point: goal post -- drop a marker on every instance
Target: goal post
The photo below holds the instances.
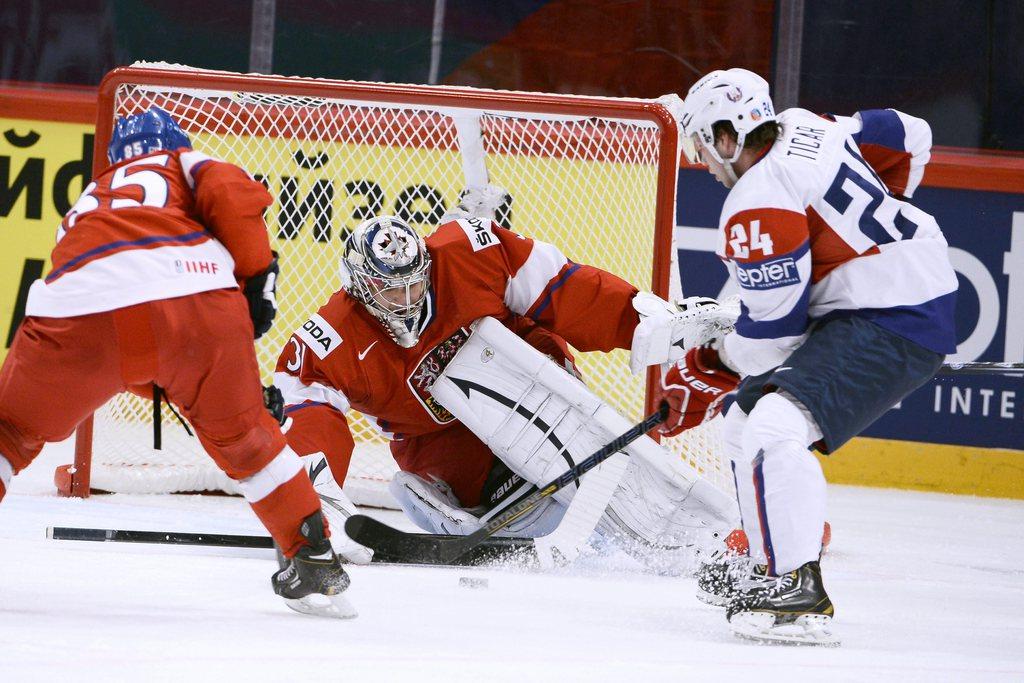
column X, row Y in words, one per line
column 595, row 176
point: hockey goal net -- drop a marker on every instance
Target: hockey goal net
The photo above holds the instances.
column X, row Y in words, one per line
column 594, row 176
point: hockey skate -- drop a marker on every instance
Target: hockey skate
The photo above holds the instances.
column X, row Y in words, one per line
column 313, row 581
column 728, row 577
column 794, row 610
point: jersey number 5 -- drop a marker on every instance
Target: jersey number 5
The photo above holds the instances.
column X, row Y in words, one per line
column 154, row 190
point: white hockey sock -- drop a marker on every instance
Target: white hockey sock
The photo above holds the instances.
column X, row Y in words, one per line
column 746, row 496
column 6, row 474
column 743, row 474
column 788, row 484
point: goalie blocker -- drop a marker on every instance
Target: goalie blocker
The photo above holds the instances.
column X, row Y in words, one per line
column 540, row 421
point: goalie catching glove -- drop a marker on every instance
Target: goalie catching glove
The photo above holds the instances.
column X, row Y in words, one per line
column 668, row 330
column 259, row 291
column 694, row 388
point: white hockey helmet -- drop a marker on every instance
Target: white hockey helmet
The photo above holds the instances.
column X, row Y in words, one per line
column 735, row 95
column 386, row 266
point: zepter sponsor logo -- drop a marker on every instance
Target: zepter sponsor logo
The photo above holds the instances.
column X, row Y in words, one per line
column 768, row 274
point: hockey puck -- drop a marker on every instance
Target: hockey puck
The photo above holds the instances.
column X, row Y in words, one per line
column 469, row 582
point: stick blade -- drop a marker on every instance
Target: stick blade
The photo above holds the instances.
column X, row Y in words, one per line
column 387, row 542
column 392, row 545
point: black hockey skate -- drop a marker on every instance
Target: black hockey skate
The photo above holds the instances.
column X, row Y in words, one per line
column 795, row 609
column 727, row 578
column 313, row 581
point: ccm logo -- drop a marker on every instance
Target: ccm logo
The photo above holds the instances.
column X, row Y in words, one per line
column 768, row 275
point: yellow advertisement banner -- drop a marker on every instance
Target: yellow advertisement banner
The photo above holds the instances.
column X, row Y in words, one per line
column 43, row 168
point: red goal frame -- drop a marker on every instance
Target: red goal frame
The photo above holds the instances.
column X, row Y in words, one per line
column 73, row 480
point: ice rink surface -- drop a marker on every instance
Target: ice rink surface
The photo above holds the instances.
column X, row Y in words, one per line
column 927, row 587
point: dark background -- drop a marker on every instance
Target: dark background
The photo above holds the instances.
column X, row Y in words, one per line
column 956, row 64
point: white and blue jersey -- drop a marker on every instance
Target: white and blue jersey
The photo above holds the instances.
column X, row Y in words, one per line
column 818, row 228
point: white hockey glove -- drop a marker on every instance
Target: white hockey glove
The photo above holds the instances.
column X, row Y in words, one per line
column 667, row 331
column 478, row 201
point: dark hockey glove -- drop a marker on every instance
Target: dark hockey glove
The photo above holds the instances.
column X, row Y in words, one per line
column 260, row 293
column 274, row 402
column 694, row 388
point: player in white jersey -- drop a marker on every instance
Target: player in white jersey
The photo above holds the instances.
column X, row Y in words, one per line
column 847, row 306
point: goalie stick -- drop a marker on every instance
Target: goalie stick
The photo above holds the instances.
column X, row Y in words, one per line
column 980, row 368
column 493, row 550
column 443, row 550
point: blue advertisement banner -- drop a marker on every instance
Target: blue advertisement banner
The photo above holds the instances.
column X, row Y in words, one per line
column 985, row 231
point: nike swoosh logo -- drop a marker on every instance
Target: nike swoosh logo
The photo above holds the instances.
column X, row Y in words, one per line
column 783, row 368
column 366, row 350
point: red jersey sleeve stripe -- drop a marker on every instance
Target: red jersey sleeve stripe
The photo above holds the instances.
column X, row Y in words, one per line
column 545, row 298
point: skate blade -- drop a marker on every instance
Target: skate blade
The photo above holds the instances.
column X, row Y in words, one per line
column 328, row 606
column 808, row 629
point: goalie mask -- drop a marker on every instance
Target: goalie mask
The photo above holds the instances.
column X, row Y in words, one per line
column 386, row 266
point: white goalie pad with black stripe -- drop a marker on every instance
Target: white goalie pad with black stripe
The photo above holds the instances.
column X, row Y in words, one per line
column 535, row 416
column 540, row 421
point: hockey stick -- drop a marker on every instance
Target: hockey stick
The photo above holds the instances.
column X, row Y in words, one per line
column 980, row 368
column 379, row 536
column 494, row 550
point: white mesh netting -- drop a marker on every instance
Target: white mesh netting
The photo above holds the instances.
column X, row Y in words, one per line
column 584, row 183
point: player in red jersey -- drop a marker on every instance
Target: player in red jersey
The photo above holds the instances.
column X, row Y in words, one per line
column 405, row 308
column 163, row 274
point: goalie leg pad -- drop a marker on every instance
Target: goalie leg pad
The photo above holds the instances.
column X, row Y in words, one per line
column 336, row 507
column 541, row 421
column 657, row 519
column 532, row 414
column 434, row 508
column 431, row 505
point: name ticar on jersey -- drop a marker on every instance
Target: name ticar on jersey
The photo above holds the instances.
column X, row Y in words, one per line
column 768, row 274
column 319, row 336
column 805, row 142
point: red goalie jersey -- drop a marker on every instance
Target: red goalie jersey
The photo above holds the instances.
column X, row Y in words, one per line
column 341, row 358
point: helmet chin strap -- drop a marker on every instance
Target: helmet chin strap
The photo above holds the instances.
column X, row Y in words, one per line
column 730, row 174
